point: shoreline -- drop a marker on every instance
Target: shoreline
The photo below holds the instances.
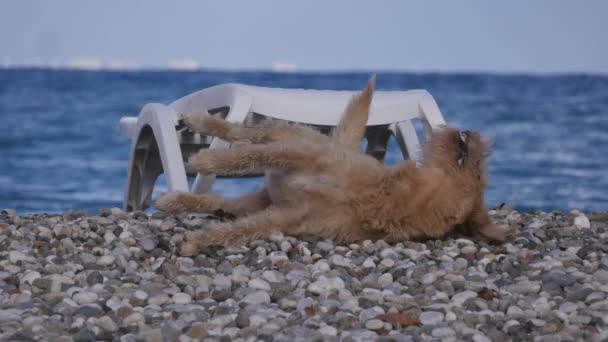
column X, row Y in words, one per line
column 116, row 276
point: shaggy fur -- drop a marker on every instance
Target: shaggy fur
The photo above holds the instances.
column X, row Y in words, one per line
column 325, row 186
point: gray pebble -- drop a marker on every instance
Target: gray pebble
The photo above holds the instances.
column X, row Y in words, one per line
column 431, row 317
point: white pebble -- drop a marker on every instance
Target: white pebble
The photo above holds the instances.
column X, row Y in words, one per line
column 582, row 222
column 468, row 249
column 368, row 263
column 324, row 285
column 108, row 236
column 106, row 260
column 158, row 299
column 481, row 338
column 321, row 266
column 374, row 324
column 257, row 297
column 388, row 263
column 328, row 330
column 285, row 245
column 29, row 277
column 181, row 298
column 133, row 318
column 221, row 280
column 429, row 278
column 16, row 256
column 85, row 297
column 461, row 297
column 139, row 294
column 510, row 324
column 259, row 284
column 385, row 280
column 514, row 311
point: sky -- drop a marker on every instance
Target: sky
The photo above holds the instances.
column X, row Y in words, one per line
column 543, row 36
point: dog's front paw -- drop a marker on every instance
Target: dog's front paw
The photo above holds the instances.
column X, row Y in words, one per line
column 498, row 233
column 193, row 243
column 170, row 203
column 189, row 249
column 198, row 122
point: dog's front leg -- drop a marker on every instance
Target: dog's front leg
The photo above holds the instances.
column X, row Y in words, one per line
column 264, row 133
column 252, row 159
column 243, row 230
column 479, row 225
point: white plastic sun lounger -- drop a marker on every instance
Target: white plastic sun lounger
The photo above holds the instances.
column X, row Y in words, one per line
column 161, row 143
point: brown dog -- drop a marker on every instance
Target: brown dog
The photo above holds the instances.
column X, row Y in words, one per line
column 325, row 186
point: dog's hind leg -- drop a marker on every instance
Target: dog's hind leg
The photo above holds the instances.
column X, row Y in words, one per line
column 253, row 159
column 263, row 133
column 180, row 202
column 256, row 226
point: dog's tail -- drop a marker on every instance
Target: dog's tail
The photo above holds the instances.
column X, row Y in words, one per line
column 351, row 129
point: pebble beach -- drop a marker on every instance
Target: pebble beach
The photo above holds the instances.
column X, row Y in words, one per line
column 118, row 276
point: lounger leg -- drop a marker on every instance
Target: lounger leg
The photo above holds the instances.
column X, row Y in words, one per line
column 430, row 114
column 156, row 124
column 406, row 137
column 377, row 140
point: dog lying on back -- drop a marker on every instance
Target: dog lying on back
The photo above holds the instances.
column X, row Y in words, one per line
column 324, row 185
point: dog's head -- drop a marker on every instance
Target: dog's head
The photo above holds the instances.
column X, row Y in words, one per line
column 458, row 153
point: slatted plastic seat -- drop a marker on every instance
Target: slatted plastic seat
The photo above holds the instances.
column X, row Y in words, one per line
column 160, row 143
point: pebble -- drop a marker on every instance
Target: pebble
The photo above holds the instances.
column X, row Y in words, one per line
column 328, row 330
column 119, row 276
column 443, row 332
column 601, row 276
column 257, row 297
column 431, row 317
column 30, row 277
column 374, row 324
column 158, row 299
column 133, row 319
column 85, row 297
column 582, row 222
column 182, row 298
column 461, row 297
column 325, row 284
column 368, row 263
column 107, row 324
column 385, row 280
column 147, row 244
column 106, row 260
column 429, row 278
column 259, row 284
column 511, row 326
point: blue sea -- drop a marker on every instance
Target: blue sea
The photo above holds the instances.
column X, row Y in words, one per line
column 60, row 147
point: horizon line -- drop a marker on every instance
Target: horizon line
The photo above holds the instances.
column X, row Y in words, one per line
column 306, row 71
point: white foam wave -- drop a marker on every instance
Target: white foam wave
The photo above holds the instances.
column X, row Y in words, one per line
column 284, row 66
column 185, row 64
